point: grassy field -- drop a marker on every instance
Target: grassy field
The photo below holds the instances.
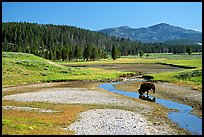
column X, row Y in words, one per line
column 187, row 77
column 22, row 68
column 191, row 76
column 169, row 56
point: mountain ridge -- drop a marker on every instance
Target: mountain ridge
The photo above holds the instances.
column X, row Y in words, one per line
column 161, row 32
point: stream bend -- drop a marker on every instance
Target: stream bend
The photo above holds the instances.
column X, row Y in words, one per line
column 183, row 117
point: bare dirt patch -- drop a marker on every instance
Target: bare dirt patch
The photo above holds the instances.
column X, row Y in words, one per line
column 135, row 67
column 38, row 86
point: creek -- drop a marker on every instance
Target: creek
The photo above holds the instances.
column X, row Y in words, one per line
column 183, row 117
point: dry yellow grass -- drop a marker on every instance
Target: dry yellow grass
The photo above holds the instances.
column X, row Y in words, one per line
column 26, row 122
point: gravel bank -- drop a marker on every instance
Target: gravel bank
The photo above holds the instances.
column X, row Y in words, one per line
column 180, row 91
column 98, row 121
column 73, row 96
column 115, row 122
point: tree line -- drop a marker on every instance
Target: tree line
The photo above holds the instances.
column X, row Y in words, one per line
column 62, row 42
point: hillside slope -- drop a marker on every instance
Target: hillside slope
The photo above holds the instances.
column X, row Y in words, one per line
column 23, row 68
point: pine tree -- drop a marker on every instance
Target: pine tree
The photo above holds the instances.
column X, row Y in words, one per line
column 99, row 53
column 58, row 54
column 141, row 53
column 77, row 52
column 50, row 55
column 71, row 53
column 189, row 50
column 87, row 52
column 114, row 52
column 53, row 55
column 64, row 53
column 94, row 53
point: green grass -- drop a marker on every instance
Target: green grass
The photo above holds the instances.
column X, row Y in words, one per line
column 169, row 56
column 23, row 68
column 182, row 77
column 21, row 126
column 194, row 62
column 121, row 60
column 197, row 63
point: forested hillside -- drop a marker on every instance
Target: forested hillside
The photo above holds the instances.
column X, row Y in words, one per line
column 57, row 42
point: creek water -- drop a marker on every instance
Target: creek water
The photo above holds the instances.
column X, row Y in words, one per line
column 183, row 117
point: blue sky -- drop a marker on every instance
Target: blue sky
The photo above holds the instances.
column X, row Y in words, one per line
column 100, row 15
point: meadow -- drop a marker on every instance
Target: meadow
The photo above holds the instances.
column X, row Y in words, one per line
column 23, row 68
column 191, row 75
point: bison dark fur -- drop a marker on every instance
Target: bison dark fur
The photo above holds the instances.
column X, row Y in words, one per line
column 145, row 87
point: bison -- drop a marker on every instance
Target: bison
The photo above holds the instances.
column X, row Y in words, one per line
column 145, row 87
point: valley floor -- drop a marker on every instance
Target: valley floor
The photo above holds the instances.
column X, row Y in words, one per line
column 113, row 112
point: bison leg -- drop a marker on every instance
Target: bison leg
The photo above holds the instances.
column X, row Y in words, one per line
column 153, row 90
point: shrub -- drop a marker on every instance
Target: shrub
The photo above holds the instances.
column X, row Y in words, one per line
column 186, row 75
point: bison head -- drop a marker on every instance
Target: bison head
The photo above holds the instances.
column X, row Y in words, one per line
column 140, row 91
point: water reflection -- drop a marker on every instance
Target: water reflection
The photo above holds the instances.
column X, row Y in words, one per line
column 147, row 98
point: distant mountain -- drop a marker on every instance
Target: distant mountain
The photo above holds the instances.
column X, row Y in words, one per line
column 157, row 33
